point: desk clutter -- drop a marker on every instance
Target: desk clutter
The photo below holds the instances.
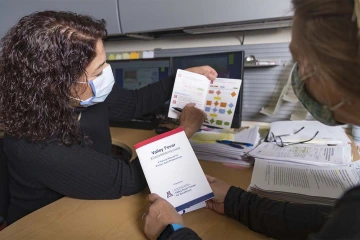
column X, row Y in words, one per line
column 230, row 148
column 300, row 161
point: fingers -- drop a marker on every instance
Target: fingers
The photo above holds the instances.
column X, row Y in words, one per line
column 204, row 113
column 210, row 179
column 209, row 72
column 209, row 204
column 153, row 197
column 148, row 208
column 190, row 105
column 193, row 105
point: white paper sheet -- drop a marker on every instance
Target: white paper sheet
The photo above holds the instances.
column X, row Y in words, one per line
column 328, row 182
column 312, row 154
column 188, row 88
column 326, row 135
column 221, row 102
column 218, row 100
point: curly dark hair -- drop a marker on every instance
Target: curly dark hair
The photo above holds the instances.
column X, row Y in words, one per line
column 41, row 59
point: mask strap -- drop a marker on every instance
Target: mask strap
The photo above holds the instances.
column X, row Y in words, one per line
column 306, row 77
column 356, row 15
column 343, row 102
column 91, row 85
column 78, row 99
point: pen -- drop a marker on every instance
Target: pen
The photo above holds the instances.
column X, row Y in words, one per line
column 177, row 109
column 229, row 143
column 180, row 110
column 241, row 143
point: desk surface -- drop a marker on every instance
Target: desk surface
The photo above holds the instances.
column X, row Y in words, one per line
column 70, row 218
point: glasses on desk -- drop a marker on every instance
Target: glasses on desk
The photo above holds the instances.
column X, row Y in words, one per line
column 278, row 139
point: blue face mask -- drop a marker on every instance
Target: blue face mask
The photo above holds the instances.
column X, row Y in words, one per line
column 323, row 114
column 101, row 87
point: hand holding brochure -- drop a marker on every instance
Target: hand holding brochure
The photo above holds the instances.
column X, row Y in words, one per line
column 218, row 100
column 172, row 170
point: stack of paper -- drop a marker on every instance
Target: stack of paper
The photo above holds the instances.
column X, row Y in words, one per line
column 313, row 154
column 303, row 183
column 206, row 147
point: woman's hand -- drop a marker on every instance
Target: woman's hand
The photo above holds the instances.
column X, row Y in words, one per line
column 191, row 119
column 207, row 71
column 220, row 189
column 159, row 214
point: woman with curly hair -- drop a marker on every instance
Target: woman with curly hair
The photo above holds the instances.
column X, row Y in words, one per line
column 57, row 95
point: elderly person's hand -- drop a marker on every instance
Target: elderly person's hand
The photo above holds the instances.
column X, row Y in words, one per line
column 159, row 214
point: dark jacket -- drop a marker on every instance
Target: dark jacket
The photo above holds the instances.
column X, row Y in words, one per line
column 283, row 220
column 43, row 172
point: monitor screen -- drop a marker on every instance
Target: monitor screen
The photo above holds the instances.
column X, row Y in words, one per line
column 228, row 65
column 135, row 74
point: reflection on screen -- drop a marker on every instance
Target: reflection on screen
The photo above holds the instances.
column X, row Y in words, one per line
column 135, row 74
column 137, row 78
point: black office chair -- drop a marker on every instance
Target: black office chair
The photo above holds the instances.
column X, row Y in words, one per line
column 4, row 185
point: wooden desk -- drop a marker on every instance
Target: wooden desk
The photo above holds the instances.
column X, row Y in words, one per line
column 70, row 218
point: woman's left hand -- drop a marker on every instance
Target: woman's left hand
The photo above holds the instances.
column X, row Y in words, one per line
column 207, row 71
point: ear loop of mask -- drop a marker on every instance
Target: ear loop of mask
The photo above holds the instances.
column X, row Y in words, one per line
column 356, row 14
column 78, row 99
column 356, row 17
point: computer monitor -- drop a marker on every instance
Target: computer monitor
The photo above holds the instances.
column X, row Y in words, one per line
column 227, row 65
column 135, row 74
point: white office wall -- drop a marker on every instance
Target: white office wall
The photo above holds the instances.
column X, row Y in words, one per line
column 224, row 39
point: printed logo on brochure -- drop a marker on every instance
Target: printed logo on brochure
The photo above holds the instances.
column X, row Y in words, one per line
column 169, row 195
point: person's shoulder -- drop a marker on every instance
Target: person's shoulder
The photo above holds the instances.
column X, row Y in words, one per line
column 350, row 200
column 13, row 142
column 20, row 152
column 23, row 141
column 25, row 146
column 353, row 193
